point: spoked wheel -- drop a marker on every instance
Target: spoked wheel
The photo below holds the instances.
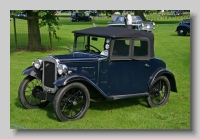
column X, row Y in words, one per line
column 71, row 102
column 29, row 91
column 159, row 92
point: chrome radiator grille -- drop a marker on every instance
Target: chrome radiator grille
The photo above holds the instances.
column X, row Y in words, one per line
column 49, row 74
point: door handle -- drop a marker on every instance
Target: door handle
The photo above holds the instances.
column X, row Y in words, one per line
column 147, row 65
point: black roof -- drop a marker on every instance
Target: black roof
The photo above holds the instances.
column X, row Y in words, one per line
column 118, row 32
column 114, row 32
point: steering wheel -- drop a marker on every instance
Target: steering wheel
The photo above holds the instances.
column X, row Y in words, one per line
column 87, row 48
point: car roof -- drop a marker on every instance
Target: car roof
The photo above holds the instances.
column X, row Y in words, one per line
column 117, row 33
column 114, row 32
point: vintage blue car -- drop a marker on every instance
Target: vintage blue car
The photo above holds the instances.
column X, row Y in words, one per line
column 106, row 63
column 183, row 27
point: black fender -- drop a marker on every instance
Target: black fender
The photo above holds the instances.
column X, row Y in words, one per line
column 32, row 71
column 77, row 78
column 185, row 26
column 166, row 73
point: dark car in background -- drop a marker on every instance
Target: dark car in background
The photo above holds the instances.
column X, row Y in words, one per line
column 94, row 14
column 78, row 16
column 178, row 13
column 183, row 27
column 107, row 63
column 137, row 23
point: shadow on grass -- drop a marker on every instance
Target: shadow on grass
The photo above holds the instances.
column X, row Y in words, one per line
column 117, row 104
column 187, row 35
column 49, row 109
column 101, row 106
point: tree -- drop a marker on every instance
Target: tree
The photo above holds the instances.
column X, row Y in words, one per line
column 47, row 18
column 142, row 12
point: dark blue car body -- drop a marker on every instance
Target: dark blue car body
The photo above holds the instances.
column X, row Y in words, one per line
column 183, row 27
column 126, row 67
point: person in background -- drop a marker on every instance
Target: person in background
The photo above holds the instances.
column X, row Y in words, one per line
column 128, row 20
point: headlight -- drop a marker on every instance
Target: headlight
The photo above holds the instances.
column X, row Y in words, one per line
column 62, row 69
column 148, row 26
column 37, row 63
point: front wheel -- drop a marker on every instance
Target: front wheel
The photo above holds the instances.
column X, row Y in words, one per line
column 71, row 102
column 29, row 92
column 159, row 92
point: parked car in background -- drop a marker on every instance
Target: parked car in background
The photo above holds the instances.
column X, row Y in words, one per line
column 78, row 16
column 183, row 27
column 137, row 23
column 107, row 63
column 94, row 14
column 178, row 13
column 21, row 15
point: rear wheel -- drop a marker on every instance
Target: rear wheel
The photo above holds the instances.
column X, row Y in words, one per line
column 182, row 31
column 29, row 92
column 159, row 92
column 71, row 102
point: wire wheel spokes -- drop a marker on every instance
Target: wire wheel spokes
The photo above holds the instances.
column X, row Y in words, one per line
column 159, row 92
column 31, row 92
column 73, row 103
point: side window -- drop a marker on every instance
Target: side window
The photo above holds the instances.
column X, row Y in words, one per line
column 121, row 48
column 80, row 43
column 140, row 48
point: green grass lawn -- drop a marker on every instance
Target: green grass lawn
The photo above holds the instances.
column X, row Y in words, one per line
column 131, row 113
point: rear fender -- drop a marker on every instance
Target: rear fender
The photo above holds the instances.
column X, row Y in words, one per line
column 32, row 71
column 166, row 73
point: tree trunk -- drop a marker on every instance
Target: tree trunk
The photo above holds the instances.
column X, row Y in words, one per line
column 141, row 14
column 34, row 38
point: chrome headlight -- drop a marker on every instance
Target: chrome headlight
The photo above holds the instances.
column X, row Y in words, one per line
column 62, row 69
column 37, row 63
column 148, row 26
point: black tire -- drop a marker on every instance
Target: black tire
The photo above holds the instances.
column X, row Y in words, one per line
column 28, row 93
column 89, row 20
column 71, row 102
column 181, row 31
column 159, row 92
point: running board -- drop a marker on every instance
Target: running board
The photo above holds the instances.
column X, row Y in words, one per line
column 128, row 96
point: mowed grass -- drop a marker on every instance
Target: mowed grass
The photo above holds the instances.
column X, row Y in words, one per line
column 131, row 113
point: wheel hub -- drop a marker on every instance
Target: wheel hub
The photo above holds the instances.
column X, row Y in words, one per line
column 181, row 31
column 36, row 91
column 75, row 103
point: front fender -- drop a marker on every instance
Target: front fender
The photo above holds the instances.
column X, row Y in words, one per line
column 32, row 71
column 75, row 77
column 166, row 73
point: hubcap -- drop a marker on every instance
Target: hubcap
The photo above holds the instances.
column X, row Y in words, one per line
column 75, row 103
column 36, row 91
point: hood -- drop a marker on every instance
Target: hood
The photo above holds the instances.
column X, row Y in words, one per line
column 78, row 57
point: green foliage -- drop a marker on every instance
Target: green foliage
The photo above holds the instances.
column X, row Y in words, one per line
column 48, row 19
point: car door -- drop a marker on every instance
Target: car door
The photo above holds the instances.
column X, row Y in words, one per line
column 129, row 72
